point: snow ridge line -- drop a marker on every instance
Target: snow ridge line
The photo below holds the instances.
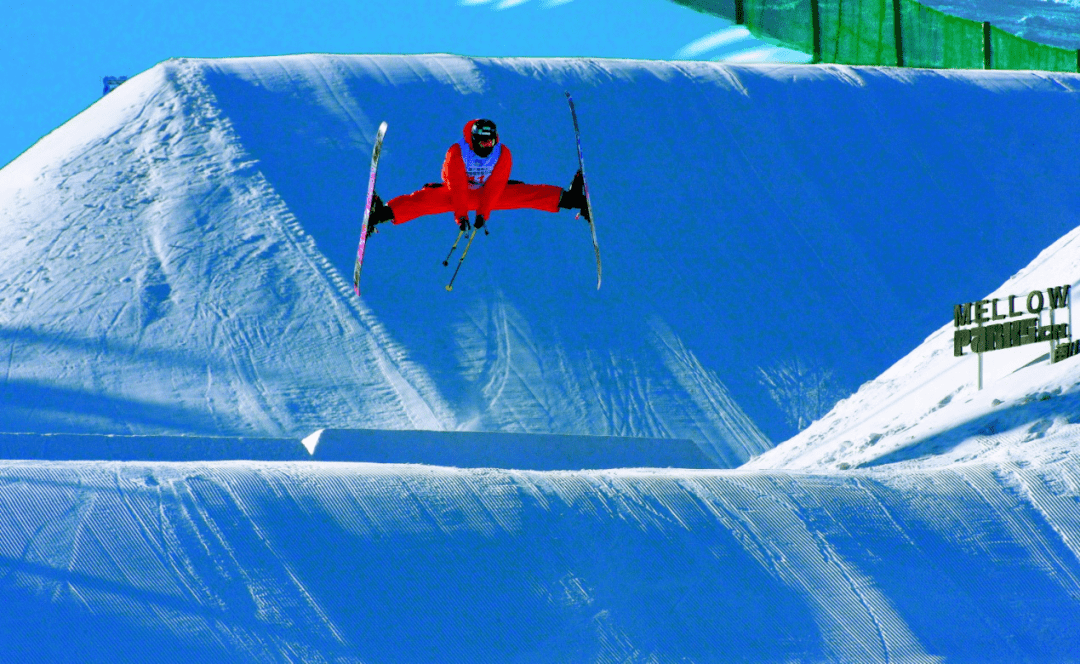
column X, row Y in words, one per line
column 417, row 395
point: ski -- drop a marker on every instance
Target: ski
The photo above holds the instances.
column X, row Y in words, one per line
column 375, row 152
column 588, row 203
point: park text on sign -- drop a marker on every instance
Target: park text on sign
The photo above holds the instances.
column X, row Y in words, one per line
column 990, row 334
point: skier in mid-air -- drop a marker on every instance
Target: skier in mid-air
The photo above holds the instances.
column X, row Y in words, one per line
column 476, row 177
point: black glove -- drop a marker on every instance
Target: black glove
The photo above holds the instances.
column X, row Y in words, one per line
column 480, row 221
column 463, row 223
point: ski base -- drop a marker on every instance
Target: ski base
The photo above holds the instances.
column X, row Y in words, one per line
column 589, row 216
column 376, row 151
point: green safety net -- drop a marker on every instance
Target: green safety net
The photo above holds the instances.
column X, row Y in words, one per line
column 782, row 20
column 722, row 8
column 865, row 32
column 855, row 32
column 1012, row 52
column 931, row 38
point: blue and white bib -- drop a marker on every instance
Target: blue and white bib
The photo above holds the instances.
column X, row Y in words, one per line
column 479, row 168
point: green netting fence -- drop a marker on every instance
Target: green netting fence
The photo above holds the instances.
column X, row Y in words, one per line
column 900, row 33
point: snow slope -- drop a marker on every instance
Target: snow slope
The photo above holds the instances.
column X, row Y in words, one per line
column 176, row 258
column 135, row 238
column 927, row 409
column 174, row 267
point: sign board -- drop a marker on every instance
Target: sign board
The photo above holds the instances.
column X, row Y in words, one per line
column 996, row 327
column 1012, row 322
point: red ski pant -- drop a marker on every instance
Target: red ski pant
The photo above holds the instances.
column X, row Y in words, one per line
column 433, row 199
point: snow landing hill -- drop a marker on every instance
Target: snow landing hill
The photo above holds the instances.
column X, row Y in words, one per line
column 174, row 266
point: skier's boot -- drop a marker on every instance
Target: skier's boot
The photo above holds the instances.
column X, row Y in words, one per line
column 574, row 197
column 463, row 223
column 380, row 213
column 480, row 221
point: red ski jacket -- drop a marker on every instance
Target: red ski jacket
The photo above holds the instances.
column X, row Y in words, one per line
column 489, row 179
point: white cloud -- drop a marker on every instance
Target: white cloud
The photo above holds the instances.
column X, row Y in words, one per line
column 509, row 4
column 713, row 41
column 764, row 53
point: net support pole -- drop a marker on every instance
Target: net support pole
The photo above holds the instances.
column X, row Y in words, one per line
column 898, row 33
column 740, row 12
column 988, row 54
column 815, row 28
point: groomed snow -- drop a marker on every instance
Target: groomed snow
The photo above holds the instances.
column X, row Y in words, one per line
column 235, row 561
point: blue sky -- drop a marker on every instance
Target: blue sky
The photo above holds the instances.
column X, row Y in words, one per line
column 54, row 54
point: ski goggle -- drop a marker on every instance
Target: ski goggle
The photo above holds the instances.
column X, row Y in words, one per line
column 486, row 142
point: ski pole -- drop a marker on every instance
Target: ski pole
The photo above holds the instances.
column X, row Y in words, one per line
column 460, row 233
column 464, row 253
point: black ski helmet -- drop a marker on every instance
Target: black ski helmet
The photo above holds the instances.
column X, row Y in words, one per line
column 484, row 130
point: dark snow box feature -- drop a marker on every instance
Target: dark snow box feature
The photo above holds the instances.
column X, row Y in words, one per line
column 165, row 448
column 466, row 449
column 438, row 448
